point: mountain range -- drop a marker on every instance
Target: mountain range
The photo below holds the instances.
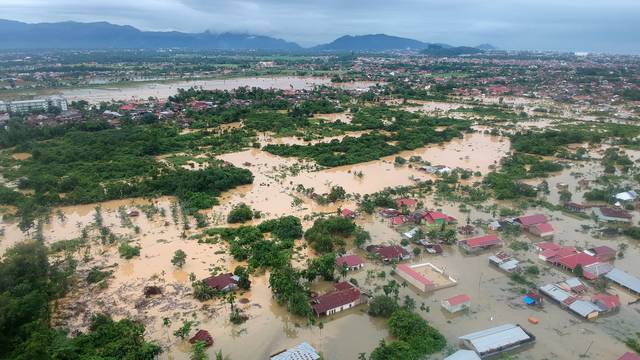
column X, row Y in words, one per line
column 103, row 35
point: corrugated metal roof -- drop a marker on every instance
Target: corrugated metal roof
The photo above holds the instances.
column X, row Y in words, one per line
column 583, row 307
column 500, row 336
column 555, row 292
column 463, row 355
column 303, row 351
column 624, row 279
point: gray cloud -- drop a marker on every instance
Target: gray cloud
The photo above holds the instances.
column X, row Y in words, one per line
column 589, row 25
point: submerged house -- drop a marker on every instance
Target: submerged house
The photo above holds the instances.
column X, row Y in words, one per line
column 606, row 302
column 497, row 340
column 603, row 253
column 438, row 218
column 344, row 296
column 389, row 253
column 456, row 303
column 351, row 262
column 406, row 202
column 544, row 230
column 535, row 224
column 224, row 282
column 349, row 214
column 479, row 243
column 504, row 262
column 624, row 280
column 303, row 351
column 204, row 336
column 605, row 214
column 566, row 299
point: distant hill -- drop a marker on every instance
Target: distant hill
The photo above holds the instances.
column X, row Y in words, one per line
column 486, row 47
column 374, row 42
column 438, row 50
column 103, row 35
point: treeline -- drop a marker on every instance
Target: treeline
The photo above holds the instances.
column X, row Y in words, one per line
column 28, row 285
column 549, row 142
column 407, row 131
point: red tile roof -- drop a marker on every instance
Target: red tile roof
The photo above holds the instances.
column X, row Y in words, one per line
column 349, row 260
column 543, row 228
column 348, row 213
column 532, row 219
column 609, row 212
column 202, row 335
column 564, row 251
column 547, row 245
column 432, row 216
column 398, row 220
column 391, row 252
column 342, row 296
column 414, row 274
column 572, row 261
column 458, row 299
column 484, row 240
column 629, row 356
column 603, row 251
column 343, row 285
column 608, row 300
column 219, row 282
column 406, row 202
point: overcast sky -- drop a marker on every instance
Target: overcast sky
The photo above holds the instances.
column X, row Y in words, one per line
column 576, row 25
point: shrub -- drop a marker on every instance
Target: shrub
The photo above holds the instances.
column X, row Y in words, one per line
column 96, row 275
column 239, row 214
column 128, row 252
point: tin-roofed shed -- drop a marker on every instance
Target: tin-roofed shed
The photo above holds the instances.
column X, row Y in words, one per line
column 497, row 340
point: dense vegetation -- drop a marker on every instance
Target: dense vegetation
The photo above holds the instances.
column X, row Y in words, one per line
column 415, row 338
column 86, row 167
column 28, row 282
column 327, row 235
column 408, row 130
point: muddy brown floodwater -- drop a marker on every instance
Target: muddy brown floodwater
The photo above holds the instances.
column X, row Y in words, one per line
column 270, row 328
column 162, row 90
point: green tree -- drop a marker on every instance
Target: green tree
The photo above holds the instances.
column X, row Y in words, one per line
column 179, row 258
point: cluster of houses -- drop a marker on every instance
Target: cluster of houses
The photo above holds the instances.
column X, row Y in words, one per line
column 416, row 216
column 595, row 263
column 570, row 294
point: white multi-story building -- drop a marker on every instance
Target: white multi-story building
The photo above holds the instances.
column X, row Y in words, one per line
column 58, row 101
column 25, row 106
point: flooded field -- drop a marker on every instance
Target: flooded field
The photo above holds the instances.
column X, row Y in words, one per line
column 162, row 90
